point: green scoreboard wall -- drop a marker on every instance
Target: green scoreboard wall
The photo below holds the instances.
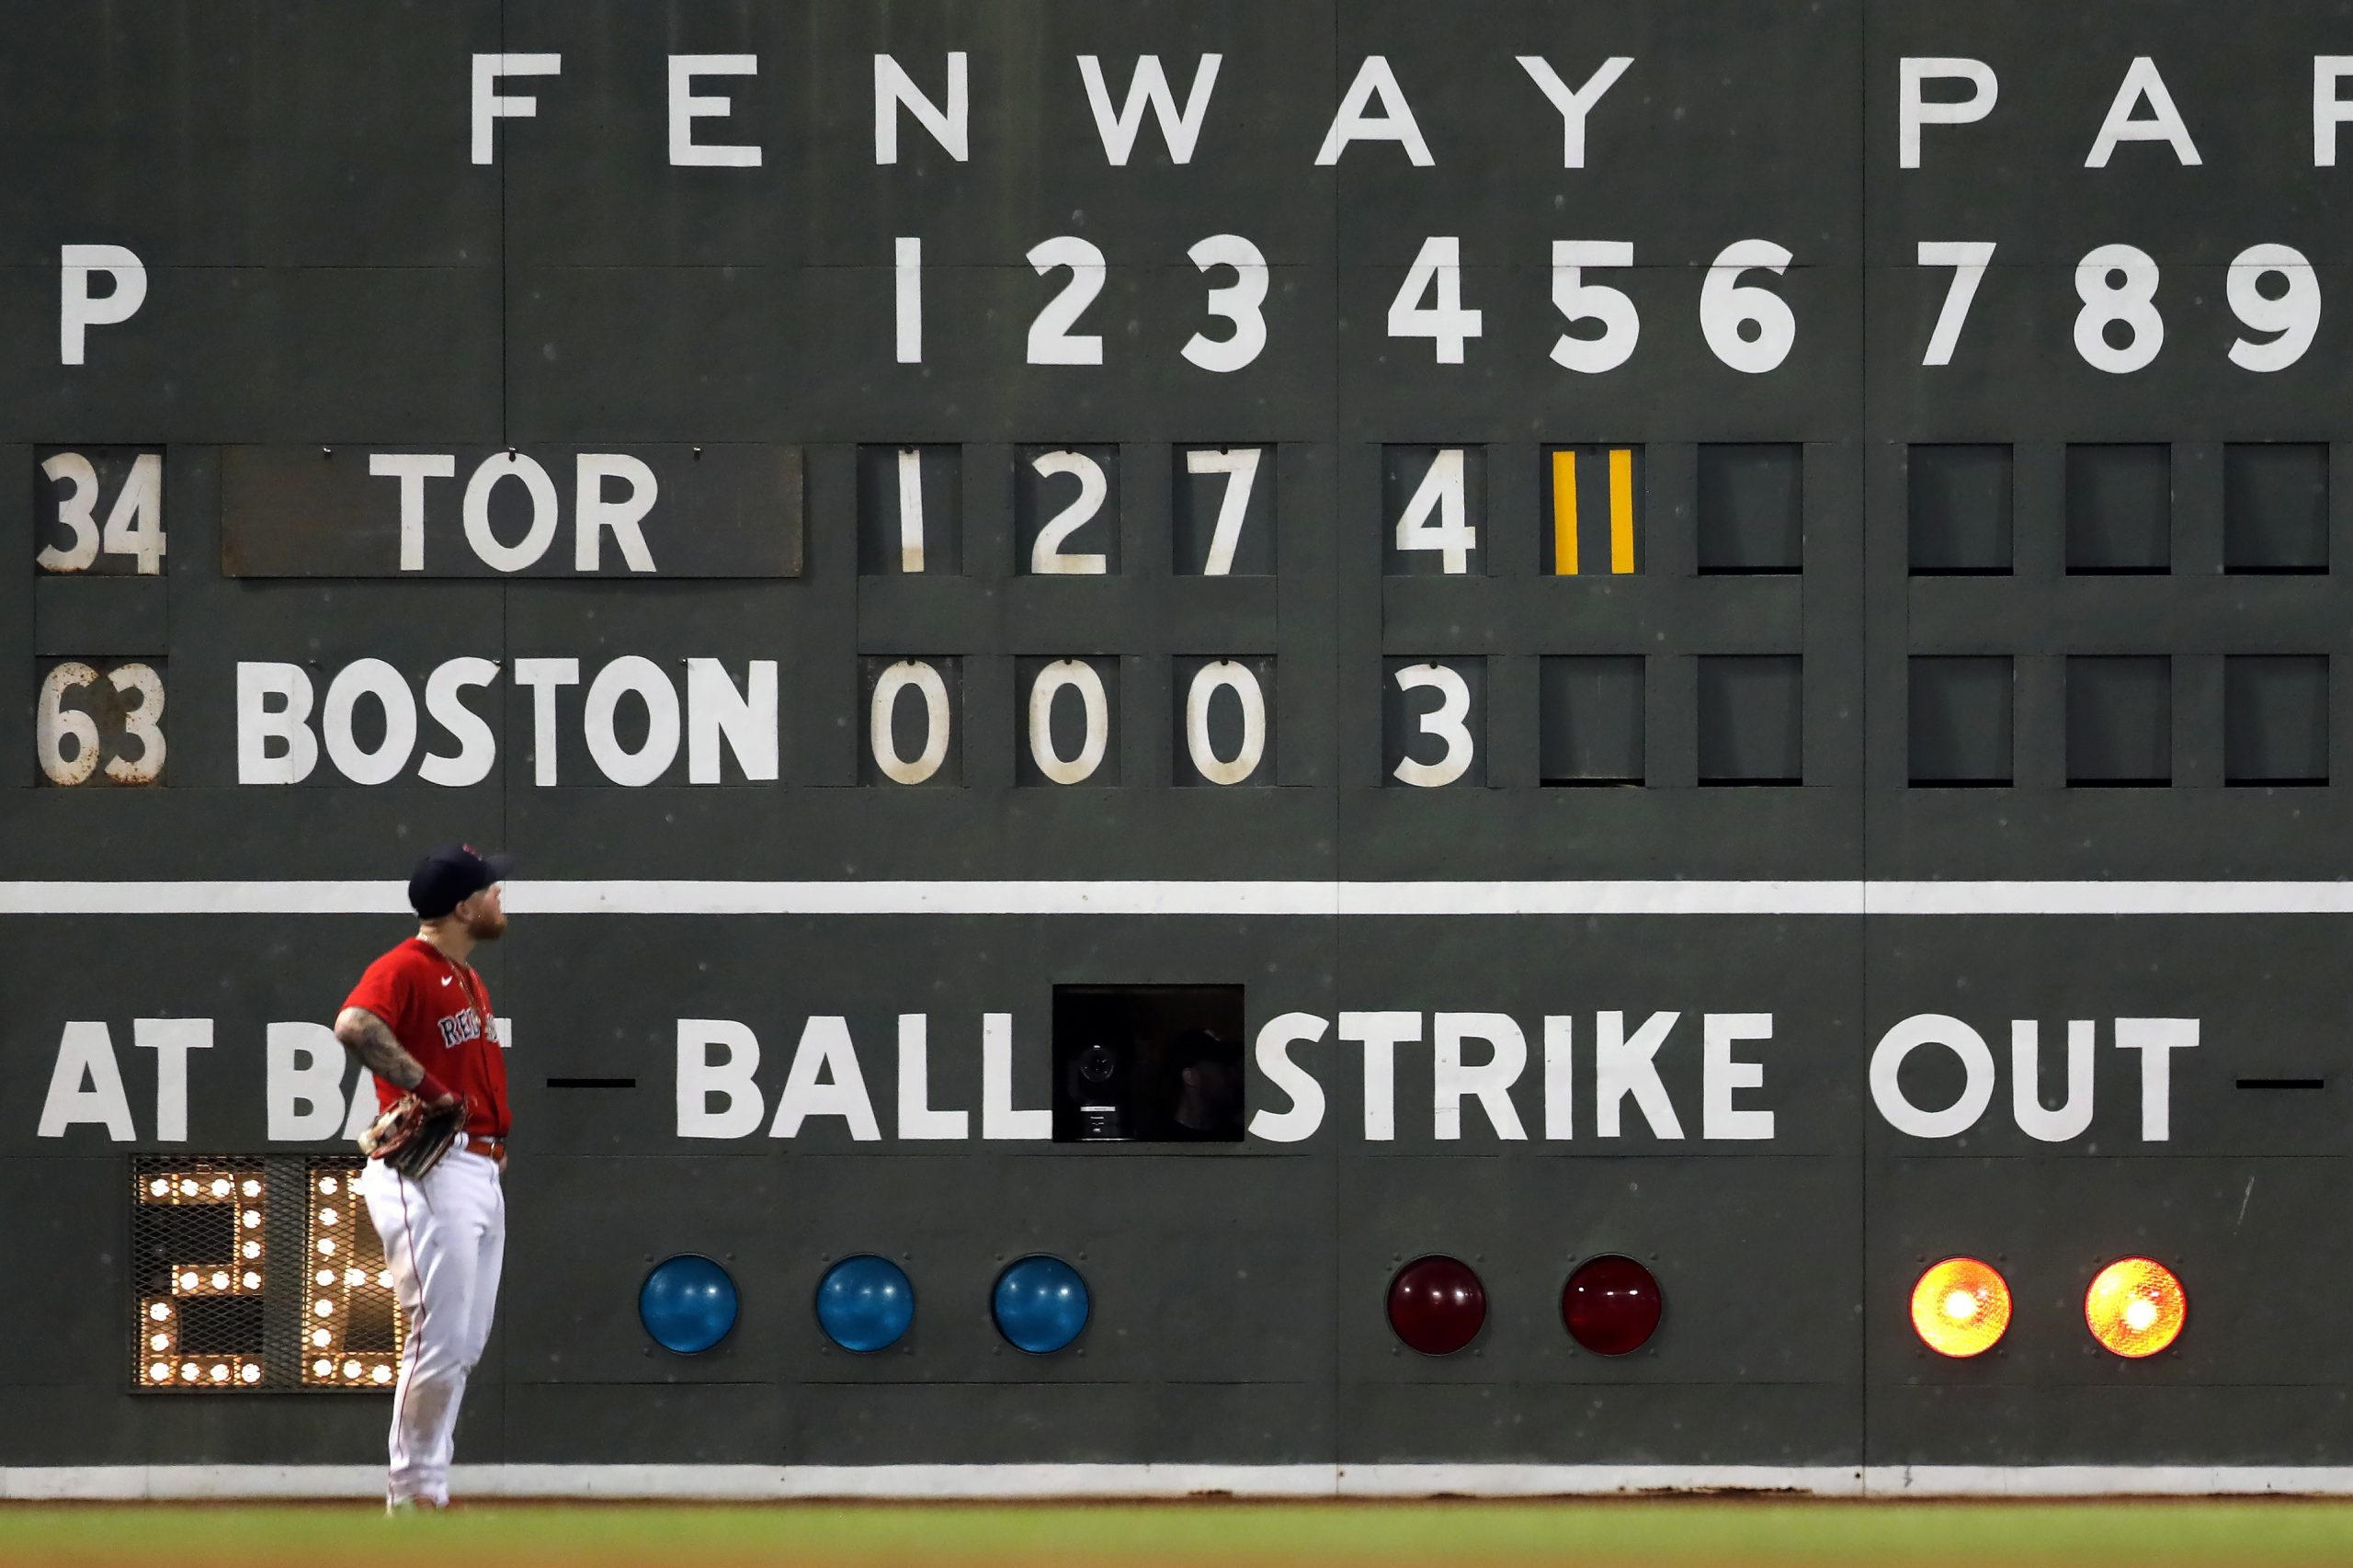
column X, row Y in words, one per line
column 1716, row 623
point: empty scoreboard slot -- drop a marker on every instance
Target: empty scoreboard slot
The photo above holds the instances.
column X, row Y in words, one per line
column 1148, row 1064
column 2119, row 508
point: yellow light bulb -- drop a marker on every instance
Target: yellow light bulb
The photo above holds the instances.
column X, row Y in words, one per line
column 1961, row 1307
column 2135, row 1307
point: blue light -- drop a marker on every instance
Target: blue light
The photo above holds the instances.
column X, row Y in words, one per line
column 865, row 1303
column 687, row 1303
column 1039, row 1304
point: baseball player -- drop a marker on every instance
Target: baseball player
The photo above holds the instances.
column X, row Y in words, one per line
column 420, row 1018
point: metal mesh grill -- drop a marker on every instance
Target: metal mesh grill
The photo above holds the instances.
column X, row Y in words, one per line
column 253, row 1273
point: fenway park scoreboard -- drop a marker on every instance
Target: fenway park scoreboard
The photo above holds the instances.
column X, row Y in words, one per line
column 1342, row 744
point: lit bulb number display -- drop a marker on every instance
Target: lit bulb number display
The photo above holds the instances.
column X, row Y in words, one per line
column 221, row 1307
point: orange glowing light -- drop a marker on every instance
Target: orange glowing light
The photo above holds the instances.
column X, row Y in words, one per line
column 1961, row 1307
column 2135, row 1307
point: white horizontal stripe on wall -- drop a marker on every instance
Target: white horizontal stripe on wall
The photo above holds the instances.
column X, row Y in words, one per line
column 777, row 1483
column 1150, row 899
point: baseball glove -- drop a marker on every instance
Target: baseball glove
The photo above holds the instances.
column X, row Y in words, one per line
column 413, row 1135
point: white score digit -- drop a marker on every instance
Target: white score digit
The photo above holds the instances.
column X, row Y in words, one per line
column 1050, row 340
column 1207, row 681
column 1968, row 259
column 1436, row 272
column 910, row 509
column 55, row 723
column 1440, row 494
column 135, row 527
column 1240, row 467
column 1446, row 722
column 1727, row 305
column 1079, row 677
column 2293, row 314
column 77, row 511
column 1238, row 303
column 2118, row 283
column 1046, row 556
column 140, row 724
column 134, row 524
column 923, row 679
column 1579, row 300
column 906, row 299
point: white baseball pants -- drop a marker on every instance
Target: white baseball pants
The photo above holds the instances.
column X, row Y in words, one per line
column 445, row 1241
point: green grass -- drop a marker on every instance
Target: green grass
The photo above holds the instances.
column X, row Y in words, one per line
column 1614, row 1534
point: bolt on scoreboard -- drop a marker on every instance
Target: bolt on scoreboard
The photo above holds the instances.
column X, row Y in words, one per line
column 1517, row 745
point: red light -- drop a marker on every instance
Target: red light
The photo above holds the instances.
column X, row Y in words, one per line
column 1437, row 1305
column 1612, row 1306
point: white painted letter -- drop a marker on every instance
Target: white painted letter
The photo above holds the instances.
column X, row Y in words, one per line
column 534, row 543
column 1720, row 1075
column 592, row 514
column 1560, row 1076
column 2163, row 123
column 303, row 1082
column 686, row 107
column 376, row 678
column 1575, row 104
column 631, row 673
column 2329, row 111
column 258, row 723
column 1148, row 87
column 1393, row 123
column 2157, row 1039
column 917, row 1118
column 490, row 105
column 893, row 88
column 77, row 312
column 729, row 1078
column 1489, row 1083
column 542, row 677
column 746, row 719
column 825, row 1046
column 171, row 1040
column 477, row 747
column 998, row 1119
column 1380, row 1034
column 86, row 1053
column 1625, row 1066
column 1913, row 111
column 1977, row 1065
column 2026, row 1083
column 1306, row 1112
column 411, row 469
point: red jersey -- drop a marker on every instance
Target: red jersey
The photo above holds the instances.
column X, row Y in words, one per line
column 440, row 1011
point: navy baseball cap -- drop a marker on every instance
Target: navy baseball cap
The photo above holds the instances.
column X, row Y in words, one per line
column 451, row 875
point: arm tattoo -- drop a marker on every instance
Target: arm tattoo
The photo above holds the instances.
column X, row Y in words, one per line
column 366, row 1037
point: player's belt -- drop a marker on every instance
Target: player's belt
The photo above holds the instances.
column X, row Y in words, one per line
column 488, row 1148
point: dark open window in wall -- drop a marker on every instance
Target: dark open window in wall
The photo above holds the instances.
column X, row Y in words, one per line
column 2275, row 507
column 1959, row 506
column 2275, row 718
column 1590, row 719
column 1752, row 508
column 1958, row 720
column 1751, row 720
column 2119, row 508
column 2119, row 720
column 1148, row 1064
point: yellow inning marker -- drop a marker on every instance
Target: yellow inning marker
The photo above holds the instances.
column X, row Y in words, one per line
column 1622, row 510
column 1564, row 514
